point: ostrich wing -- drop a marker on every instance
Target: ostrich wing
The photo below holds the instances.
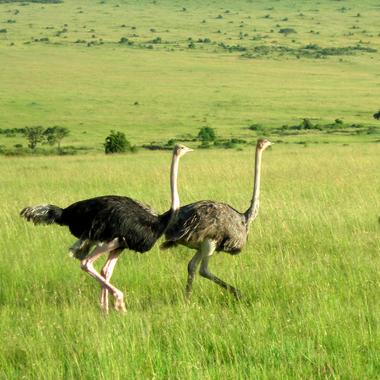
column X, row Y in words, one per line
column 106, row 218
column 208, row 219
column 147, row 208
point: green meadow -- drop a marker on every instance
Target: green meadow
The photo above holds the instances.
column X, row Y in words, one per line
column 64, row 64
column 159, row 71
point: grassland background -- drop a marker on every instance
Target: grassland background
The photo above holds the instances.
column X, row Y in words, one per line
column 310, row 270
column 92, row 89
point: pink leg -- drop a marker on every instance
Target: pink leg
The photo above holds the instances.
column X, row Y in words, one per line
column 87, row 266
column 106, row 273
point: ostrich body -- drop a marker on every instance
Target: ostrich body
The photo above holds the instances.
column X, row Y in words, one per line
column 111, row 224
column 210, row 226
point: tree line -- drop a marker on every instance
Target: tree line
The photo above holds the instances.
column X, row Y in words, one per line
column 52, row 135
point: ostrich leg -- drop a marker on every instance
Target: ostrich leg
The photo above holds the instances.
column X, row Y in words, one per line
column 208, row 247
column 88, row 266
column 106, row 273
column 191, row 268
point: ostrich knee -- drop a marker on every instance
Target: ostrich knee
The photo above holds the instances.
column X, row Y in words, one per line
column 86, row 265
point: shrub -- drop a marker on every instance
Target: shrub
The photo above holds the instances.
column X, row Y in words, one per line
column 207, row 134
column 229, row 145
column 171, row 142
column 306, row 124
column 14, row 153
column 371, row 131
column 117, row 143
column 377, row 115
column 256, row 127
column 205, row 145
column 157, row 40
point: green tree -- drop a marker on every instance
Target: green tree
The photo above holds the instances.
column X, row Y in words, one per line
column 287, row 31
column 34, row 135
column 207, row 134
column 56, row 134
column 117, row 143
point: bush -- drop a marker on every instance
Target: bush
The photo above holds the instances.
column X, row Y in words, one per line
column 306, row 124
column 207, row 134
column 15, row 153
column 117, row 143
column 157, row 40
column 205, row 145
column 256, row 127
column 229, row 145
column 171, row 142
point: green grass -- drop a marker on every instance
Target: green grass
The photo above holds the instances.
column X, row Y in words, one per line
column 91, row 90
column 310, row 270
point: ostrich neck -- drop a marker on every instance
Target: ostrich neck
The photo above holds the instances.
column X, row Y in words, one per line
column 173, row 183
column 171, row 216
column 253, row 210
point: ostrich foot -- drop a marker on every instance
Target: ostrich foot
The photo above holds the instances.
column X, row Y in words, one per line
column 238, row 294
column 120, row 305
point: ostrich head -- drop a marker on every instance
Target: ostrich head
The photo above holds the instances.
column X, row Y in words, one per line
column 262, row 144
column 180, row 150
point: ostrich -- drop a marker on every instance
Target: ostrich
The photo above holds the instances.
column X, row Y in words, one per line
column 111, row 224
column 209, row 226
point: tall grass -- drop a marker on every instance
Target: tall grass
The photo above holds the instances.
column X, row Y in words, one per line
column 310, row 272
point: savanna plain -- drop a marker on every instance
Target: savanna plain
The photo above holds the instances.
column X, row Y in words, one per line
column 305, row 75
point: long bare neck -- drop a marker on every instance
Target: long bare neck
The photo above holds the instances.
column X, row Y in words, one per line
column 172, row 215
column 253, row 210
column 173, row 182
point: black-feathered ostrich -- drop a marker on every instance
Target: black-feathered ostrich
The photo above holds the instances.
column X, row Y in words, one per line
column 209, row 226
column 111, row 223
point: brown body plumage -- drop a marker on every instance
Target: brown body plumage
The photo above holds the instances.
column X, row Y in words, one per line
column 209, row 226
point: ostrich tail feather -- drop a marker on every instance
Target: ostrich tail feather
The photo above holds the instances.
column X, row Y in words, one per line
column 41, row 214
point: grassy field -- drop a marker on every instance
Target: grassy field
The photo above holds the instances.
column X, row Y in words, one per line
column 158, row 88
column 310, row 270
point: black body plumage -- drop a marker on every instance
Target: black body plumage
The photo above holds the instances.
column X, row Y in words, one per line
column 137, row 226
column 111, row 224
column 217, row 221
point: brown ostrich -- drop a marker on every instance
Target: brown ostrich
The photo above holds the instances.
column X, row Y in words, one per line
column 210, row 226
